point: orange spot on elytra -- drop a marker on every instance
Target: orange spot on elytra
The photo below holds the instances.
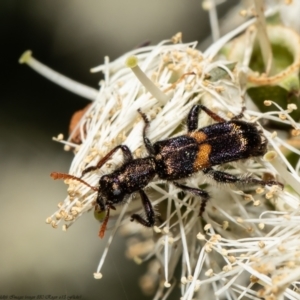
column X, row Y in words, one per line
column 202, row 158
column 199, row 136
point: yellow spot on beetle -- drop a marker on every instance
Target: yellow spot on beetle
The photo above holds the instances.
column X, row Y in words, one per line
column 202, row 159
column 199, row 136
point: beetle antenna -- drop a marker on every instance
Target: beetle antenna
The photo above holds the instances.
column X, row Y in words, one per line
column 104, row 225
column 58, row 175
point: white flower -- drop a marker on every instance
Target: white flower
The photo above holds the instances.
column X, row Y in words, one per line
column 244, row 244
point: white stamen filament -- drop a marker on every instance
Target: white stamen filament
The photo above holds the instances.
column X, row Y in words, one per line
column 210, row 5
column 111, row 236
column 65, row 82
column 263, row 38
column 132, row 63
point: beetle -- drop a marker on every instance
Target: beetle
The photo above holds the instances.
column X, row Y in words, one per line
column 178, row 158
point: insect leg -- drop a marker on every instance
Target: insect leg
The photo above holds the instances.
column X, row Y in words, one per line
column 197, row 192
column 147, row 142
column 126, row 152
column 240, row 115
column 150, row 215
column 192, row 119
column 213, row 115
column 224, row 177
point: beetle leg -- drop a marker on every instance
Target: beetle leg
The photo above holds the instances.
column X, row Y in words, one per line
column 147, row 142
column 149, row 221
column 127, row 157
column 240, row 115
column 224, row 177
column 192, row 119
column 213, row 115
column 197, row 192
